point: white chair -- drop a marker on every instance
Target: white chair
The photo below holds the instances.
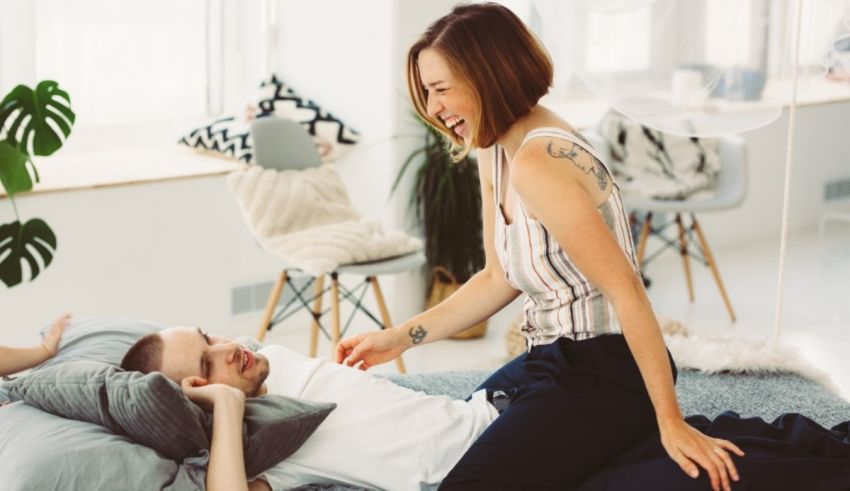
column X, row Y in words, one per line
column 730, row 192
column 283, row 144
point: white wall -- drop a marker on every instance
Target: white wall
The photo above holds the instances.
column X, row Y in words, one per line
column 821, row 151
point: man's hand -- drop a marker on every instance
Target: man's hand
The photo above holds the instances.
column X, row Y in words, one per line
column 689, row 448
column 50, row 341
column 207, row 395
column 370, row 349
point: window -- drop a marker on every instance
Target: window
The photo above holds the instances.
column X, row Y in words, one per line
column 138, row 72
column 125, row 61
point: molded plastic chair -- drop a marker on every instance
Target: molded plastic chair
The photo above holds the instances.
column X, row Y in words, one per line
column 730, row 192
column 283, row 144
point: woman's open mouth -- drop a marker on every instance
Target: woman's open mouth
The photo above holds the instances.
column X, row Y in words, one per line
column 456, row 124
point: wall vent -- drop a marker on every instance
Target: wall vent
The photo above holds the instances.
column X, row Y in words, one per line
column 252, row 298
column 837, row 189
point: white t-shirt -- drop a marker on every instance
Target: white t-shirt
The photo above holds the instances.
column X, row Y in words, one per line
column 380, row 435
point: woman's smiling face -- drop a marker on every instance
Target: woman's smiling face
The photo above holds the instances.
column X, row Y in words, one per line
column 449, row 99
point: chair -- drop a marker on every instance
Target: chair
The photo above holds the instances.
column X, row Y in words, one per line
column 730, row 192
column 283, row 144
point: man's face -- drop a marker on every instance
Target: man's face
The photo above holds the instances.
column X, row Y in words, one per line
column 189, row 351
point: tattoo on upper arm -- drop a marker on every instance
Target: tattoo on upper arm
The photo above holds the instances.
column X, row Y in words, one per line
column 570, row 153
column 418, row 333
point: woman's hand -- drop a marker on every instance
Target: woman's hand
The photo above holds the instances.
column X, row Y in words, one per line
column 207, row 395
column 50, row 341
column 689, row 448
column 370, row 349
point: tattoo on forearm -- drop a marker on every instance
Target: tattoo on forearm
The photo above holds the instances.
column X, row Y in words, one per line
column 570, row 154
column 418, row 333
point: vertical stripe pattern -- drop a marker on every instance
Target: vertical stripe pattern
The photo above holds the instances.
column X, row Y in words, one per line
column 561, row 301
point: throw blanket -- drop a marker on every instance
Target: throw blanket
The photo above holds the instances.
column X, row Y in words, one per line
column 652, row 164
column 305, row 218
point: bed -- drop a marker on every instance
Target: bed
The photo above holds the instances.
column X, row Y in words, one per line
column 42, row 451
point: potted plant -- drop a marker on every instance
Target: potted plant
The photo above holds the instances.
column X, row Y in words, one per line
column 31, row 122
column 446, row 200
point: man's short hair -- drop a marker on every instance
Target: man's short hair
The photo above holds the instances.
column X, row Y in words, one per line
column 145, row 356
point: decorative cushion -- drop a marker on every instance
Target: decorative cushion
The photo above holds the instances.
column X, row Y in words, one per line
column 652, row 164
column 332, row 137
column 227, row 137
column 152, row 410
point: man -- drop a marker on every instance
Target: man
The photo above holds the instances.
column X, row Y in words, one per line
column 380, row 435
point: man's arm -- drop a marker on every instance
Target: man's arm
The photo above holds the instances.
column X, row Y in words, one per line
column 226, row 469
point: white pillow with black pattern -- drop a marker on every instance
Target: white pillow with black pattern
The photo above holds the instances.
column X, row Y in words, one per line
column 332, row 137
column 226, row 136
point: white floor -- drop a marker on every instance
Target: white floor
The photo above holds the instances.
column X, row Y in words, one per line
column 815, row 313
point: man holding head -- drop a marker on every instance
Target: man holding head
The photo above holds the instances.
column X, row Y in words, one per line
column 380, row 435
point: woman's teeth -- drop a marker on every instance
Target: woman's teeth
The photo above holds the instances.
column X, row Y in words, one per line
column 454, row 122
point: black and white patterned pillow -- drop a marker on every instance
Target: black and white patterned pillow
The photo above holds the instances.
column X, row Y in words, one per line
column 332, row 137
column 229, row 136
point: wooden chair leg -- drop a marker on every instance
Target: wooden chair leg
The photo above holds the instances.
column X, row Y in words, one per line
column 271, row 304
column 334, row 311
column 713, row 265
column 317, row 313
column 683, row 250
column 644, row 235
column 385, row 316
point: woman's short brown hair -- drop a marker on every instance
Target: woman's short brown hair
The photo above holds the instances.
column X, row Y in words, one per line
column 491, row 50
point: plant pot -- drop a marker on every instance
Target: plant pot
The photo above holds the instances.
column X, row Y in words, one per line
column 443, row 284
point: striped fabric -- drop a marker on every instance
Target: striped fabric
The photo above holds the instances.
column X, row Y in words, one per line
column 561, row 301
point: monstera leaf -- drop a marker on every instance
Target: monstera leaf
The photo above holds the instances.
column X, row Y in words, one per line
column 14, row 172
column 30, row 112
column 22, row 243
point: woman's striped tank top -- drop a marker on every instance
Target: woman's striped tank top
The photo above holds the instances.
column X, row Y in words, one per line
column 561, row 301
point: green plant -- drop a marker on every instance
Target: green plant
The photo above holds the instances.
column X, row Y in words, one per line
column 32, row 122
column 446, row 199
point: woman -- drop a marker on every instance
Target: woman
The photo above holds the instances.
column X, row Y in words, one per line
column 597, row 376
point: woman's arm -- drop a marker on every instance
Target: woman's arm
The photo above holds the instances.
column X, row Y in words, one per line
column 553, row 191
column 480, row 297
column 14, row 360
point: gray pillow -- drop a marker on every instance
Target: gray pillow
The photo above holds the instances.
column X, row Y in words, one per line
column 48, row 453
column 103, row 339
column 152, row 410
column 107, row 339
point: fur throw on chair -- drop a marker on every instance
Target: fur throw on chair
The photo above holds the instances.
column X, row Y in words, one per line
column 306, row 218
column 652, row 164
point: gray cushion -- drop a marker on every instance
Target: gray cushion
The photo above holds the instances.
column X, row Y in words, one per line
column 152, row 410
column 48, row 453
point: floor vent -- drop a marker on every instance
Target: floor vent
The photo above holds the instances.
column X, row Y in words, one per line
column 837, row 189
column 253, row 297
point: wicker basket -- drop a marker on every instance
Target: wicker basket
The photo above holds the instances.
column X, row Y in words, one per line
column 443, row 284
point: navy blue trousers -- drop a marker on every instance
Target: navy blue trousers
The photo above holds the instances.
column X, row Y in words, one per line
column 575, row 406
